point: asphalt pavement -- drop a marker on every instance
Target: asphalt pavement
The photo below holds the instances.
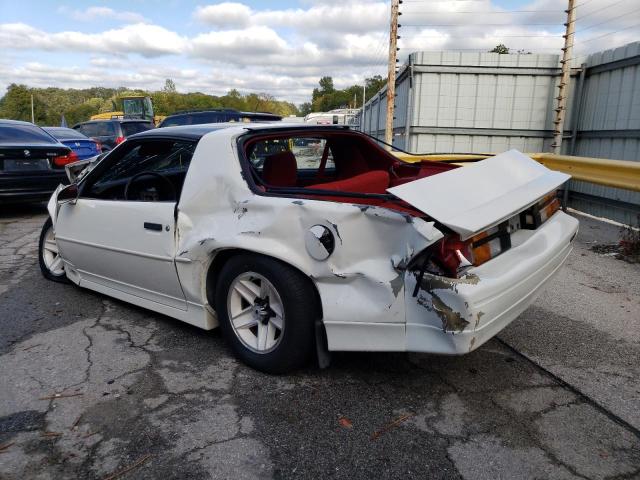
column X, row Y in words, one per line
column 94, row 388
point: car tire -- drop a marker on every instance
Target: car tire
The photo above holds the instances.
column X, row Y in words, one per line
column 274, row 332
column 48, row 258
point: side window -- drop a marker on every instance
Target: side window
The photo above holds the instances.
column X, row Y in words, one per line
column 152, row 170
column 308, row 152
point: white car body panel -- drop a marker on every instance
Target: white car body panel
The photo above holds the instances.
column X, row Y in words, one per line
column 471, row 199
column 107, row 244
column 364, row 287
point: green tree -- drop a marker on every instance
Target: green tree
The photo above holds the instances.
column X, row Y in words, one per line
column 500, row 48
column 16, row 103
column 169, row 86
column 305, row 108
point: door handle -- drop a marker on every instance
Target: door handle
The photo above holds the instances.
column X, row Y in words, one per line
column 156, row 227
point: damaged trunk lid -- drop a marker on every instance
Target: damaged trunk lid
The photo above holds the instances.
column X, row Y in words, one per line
column 473, row 198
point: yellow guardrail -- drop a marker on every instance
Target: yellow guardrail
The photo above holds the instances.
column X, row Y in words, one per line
column 610, row 173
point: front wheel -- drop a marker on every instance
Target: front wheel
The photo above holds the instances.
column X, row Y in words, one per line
column 267, row 312
column 50, row 261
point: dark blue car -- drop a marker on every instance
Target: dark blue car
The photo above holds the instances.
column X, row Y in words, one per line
column 83, row 146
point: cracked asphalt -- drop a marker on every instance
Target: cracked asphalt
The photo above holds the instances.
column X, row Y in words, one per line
column 91, row 387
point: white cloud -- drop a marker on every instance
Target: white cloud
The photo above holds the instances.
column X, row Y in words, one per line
column 91, row 14
column 343, row 17
column 144, row 39
column 225, row 15
column 285, row 51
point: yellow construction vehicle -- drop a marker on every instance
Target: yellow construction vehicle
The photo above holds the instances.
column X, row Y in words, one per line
column 133, row 106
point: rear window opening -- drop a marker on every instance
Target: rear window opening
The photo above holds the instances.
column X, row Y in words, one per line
column 338, row 166
column 17, row 134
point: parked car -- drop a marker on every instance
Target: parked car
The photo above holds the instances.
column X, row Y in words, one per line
column 112, row 132
column 31, row 162
column 83, row 146
column 338, row 247
column 198, row 117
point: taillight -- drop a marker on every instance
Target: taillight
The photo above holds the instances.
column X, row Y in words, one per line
column 539, row 213
column 62, row 160
column 119, row 140
column 450, row 254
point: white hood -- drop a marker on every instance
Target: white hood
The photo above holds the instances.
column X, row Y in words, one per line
column 473, row 198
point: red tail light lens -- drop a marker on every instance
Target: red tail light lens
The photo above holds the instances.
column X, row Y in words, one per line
column 62, row 160
column 451, row 254
column 119, row 140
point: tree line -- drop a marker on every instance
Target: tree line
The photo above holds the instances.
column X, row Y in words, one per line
column 78, row 105
column 326, row 97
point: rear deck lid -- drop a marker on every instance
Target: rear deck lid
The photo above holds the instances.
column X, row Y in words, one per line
column 473, row 198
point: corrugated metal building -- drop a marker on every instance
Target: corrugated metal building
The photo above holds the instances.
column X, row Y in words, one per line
column 460, row 102
column 470, row 102
column 607, row 109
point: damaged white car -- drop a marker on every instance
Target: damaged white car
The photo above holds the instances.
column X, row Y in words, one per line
column 300, row 240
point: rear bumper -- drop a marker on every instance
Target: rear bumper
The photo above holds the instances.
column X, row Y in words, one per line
column 27, row 188
column 457, row 316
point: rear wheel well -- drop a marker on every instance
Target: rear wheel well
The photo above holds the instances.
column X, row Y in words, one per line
column 223, row 256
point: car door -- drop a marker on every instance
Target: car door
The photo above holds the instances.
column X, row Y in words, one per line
column 126, row 240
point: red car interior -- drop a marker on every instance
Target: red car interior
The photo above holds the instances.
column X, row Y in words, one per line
column 361, row 167
column 280, row 170
column 376, row 181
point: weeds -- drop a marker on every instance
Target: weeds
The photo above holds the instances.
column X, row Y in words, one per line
column 630, row 242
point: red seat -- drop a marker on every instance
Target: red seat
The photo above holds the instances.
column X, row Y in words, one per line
column 280, row 170
column 376, row 181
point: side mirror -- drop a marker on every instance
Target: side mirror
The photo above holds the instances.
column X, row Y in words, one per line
column 68, row 194
column 73, row 169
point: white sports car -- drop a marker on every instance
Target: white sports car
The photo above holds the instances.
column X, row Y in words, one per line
column 300, row 240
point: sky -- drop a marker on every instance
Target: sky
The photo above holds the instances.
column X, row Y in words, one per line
column 281, row 47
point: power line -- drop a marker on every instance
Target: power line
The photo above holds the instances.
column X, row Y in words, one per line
column 610, row 33
column 485, row 34
column 479, row 25
column 487, row 13
column 600, row 9
column 607, row 21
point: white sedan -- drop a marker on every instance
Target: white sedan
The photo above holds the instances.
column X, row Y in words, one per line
column 301, row 240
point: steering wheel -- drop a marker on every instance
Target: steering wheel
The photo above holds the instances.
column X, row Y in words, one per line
column 171, row 190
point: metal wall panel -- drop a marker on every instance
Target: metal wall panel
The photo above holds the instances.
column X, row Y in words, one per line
column 460, row 102
column 459, row 90
column 609, row 126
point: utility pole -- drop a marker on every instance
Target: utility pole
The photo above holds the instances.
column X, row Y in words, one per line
column 364, row 101
column 565, row 78
column 32, row 116
column 391, row 76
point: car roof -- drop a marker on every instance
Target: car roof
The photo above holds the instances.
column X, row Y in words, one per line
column 67, row 130
column 15, row 122
column 119, row 120
column 221, row 111
column 196, row 132
column 58, row 128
